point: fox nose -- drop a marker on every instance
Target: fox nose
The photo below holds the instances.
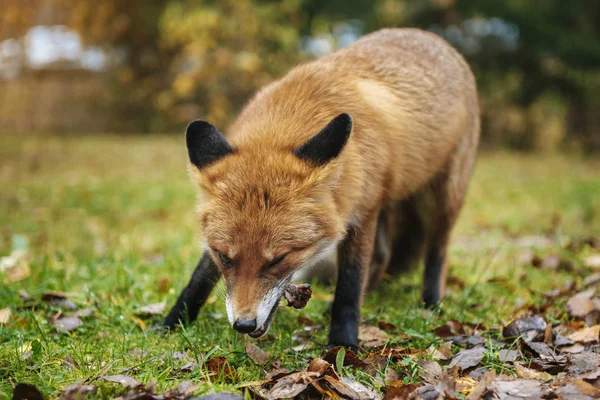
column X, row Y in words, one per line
column 244, row 325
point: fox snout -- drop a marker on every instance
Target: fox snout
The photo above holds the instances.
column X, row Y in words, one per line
column 253, row 317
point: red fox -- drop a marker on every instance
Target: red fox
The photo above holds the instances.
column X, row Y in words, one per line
column 367, row 151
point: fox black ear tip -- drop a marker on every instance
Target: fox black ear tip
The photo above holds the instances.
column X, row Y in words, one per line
column 196, row 126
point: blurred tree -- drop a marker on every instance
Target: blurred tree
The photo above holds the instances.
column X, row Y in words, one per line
column 128, row 32
column 228, row 50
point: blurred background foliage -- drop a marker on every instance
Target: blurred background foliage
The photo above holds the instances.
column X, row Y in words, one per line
column 142, row 66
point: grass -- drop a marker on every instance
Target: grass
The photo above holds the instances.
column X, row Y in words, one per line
column 110, row 220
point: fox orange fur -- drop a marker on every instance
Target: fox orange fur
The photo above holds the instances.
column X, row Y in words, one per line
column 367, row 151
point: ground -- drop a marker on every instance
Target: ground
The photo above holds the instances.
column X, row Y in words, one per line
column 110, row 221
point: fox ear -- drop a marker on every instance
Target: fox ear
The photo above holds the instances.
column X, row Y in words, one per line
column 327, row 144
column 205, row 143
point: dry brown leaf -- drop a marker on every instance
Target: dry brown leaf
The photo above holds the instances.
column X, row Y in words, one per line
column 465, row 385
column 431, row 370
column 574, row 349
column 443, row 352
column 481, row 388
column 386, row 326
column 510, row 388
column 5, row 316
column 292, row 385
column 529, row 326
column 124, row 380
column 343, row 388
column 508, row 355
column 297, row 295
column 450, row 328
column 78, row 390
column 468, row 358
column 586, row 335
column 15, row 266
column 219, row 365
column 371, row 336
column 152, row 309
column 581, row 304
column 257, row 355
column 578, row 389
column 401, row 392
column 25, row 391
column 318, row 365
column 59, row 299
column 528, row 373
column 66, row 324
column 350, row 358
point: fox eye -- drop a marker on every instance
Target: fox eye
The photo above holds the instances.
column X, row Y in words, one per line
column 225, row 259
column 276, row 261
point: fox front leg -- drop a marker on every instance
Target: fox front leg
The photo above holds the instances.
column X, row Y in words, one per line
column 355, row 253
column 205, row 277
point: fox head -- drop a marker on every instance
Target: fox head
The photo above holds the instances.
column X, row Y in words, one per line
column 266, row 212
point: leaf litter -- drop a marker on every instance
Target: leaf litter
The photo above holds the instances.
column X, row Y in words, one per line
column 538, row 358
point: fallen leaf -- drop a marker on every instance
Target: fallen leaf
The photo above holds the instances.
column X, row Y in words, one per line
column 292, row 385
column 541, row 349
column 465, row 385
column 152, row 309
column 257, row 355
column 25, row 391
column 578, row 389
column 15, row 266
column 402, row 392
column 443, row 388
column 343, row 388
column 528, row 326
column 481, row 389
column 574, row 349
column 591, row 279
column 505, row 355
column 431, row 370
column 443, row 352
column 297, row 295
column 527, row 373
column 350, row 358
column 59, row 299
column 124, row 380
column 583, row 363
column 468, row 358
column 511, row 388
column 78, row 390
column 450, row 328
column 464, row 340
column 66, row 324
column 386, row 326
column 163, row 285
column 371, row 336
column 581, row 304
column 220, row 396
column 586, row 335
column 219, row 365
column 5, row 316
column 391, row 375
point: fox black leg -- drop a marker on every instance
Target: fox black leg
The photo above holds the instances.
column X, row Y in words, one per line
column 192, row 298
column 435, row 276
column 355, row 253
column 345, row 312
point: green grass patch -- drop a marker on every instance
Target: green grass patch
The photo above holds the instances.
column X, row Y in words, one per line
column 110, row 221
